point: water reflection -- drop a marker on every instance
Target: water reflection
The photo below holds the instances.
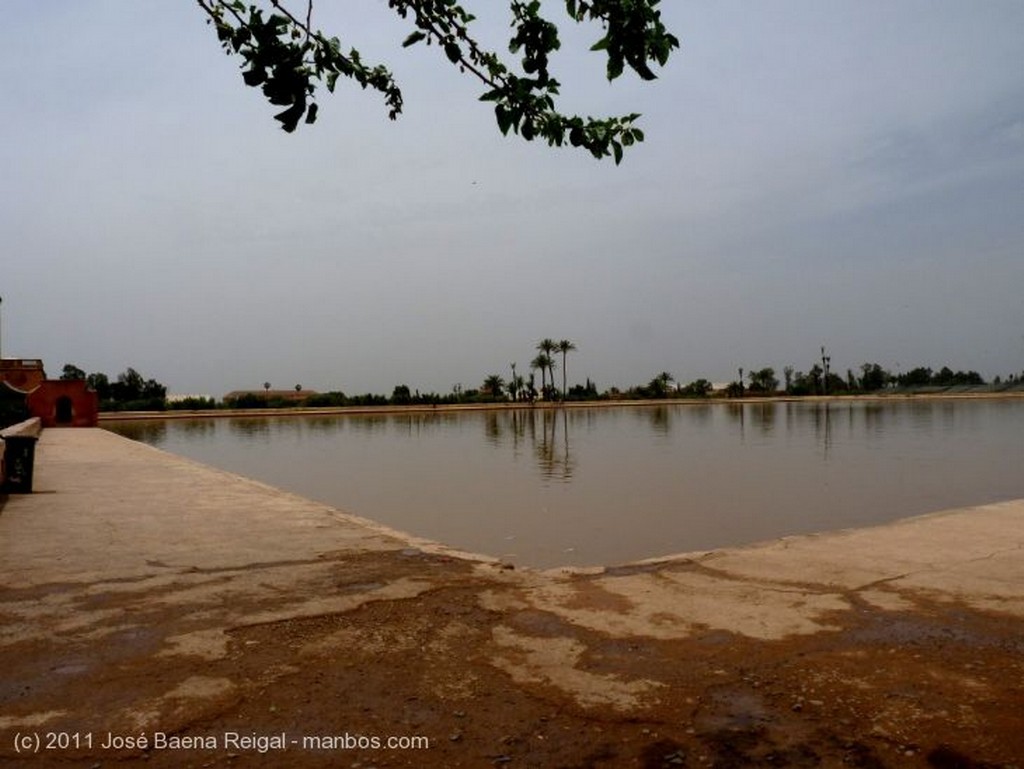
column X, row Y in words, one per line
column 324, row 425
column 551, row 486
column 737, row 414
column 151, row 432
column 823, row 426
column 763, row 416
column 700, row 414
column 547, row 435
column 197, row 428
column 493, row 428
column 552, row 453
column 658, row 418
column 250, row 427
column 371, row 423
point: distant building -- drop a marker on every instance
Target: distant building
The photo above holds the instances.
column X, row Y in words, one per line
column 57, row 402
column 26, row 392
column 269, row 395
column 22, row 373
column 180, row 397
column 64, row 403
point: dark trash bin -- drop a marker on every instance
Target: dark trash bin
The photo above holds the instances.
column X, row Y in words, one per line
column 19, row 456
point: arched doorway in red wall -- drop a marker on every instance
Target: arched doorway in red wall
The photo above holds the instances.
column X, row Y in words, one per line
column 65, row 412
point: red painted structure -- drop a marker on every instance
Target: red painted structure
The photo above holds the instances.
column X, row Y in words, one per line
column 57, row 402
column 22, row 373
column 64, row 403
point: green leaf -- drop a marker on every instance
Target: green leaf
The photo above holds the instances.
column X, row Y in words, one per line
column 641, row 68
column 289, row 118
column 504, row 118
column 253, row 77
column 614, row 67
column 414, row 38
column 287, row 65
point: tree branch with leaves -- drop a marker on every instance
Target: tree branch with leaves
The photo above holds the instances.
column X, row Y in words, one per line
column 287, row 59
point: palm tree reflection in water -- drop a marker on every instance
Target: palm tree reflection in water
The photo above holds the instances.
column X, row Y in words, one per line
column 543, row 432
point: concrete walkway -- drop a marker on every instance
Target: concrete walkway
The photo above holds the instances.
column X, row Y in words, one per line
column 143, row 592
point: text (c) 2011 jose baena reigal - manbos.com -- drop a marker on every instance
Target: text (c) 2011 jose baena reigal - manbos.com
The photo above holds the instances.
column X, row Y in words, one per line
column 35, row 742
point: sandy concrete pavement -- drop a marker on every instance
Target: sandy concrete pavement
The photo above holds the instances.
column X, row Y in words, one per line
column 144, row 594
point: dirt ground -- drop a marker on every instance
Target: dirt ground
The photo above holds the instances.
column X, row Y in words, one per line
column 941, row 685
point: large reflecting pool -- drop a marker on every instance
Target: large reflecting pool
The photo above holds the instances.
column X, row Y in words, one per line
column 551, row 487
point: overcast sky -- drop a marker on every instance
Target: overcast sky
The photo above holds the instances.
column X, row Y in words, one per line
column 847, row 174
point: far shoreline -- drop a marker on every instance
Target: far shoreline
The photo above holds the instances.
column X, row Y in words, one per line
column 129, row 416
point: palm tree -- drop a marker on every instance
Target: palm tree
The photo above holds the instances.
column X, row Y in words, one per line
column 547, row 346
column 513, row 384
column 542, row 361
column 531, row 388
column 493, row 385
column 517, row 386
column 658, row 386
column 564, row 347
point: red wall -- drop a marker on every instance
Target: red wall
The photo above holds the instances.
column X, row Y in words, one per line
column 24, row 374
column 64, row 403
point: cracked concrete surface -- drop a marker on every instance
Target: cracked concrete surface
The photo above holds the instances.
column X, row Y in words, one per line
column 148, row 585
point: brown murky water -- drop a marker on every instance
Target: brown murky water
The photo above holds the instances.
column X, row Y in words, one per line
column 603, row 486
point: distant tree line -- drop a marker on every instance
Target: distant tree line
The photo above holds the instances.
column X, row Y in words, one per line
column 872, row 378
column 131, row 391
